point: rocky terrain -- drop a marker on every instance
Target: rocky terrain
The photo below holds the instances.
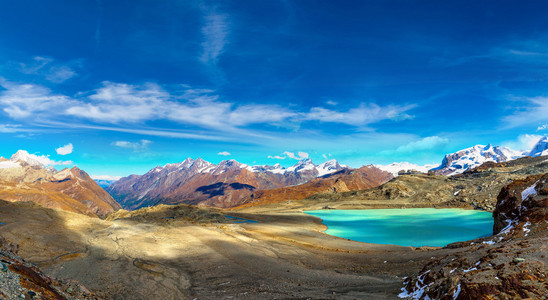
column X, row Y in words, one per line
column 511, row 264
column 227, row 184
column 22, row 280
column 476, row 188
column 22, row 179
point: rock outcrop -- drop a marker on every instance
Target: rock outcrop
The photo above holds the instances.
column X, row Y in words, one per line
column 511, row 264
column 22, row 280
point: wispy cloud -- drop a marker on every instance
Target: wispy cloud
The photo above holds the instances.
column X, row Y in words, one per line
column 542, row 127
column 276, row 157
column 10, row 128
column 362, row 115
column 300, row 155
column 523, row 142
column 426, row 143
column 49, row 69
column 66, row 149
column 215, row 32
column 105, row 177
column 533, row 111
column 23, row 100
column 125, row 107
column 224, row 153
column 136, row 146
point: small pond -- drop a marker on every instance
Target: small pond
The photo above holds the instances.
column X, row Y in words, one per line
column 407, row 227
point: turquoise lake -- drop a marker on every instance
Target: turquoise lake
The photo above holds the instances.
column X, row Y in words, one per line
column 407, row 227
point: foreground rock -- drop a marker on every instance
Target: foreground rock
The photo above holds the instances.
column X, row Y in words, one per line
column 22, row 280
column 512, row 264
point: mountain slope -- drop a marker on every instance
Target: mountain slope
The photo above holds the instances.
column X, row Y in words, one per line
column 343, row 181
column 24, row 179
column 540, row 148
column 200, row 182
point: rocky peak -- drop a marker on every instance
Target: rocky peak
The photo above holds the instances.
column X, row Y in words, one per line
column 200, row 165
column 305, row 164
column 329, row 167
column 24, row 156
column 540, row 148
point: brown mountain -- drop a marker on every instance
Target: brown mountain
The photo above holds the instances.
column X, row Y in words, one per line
column 68, row 189
column 342, row 181
column 227, row 184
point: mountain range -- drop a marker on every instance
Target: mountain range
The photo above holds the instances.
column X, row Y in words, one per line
column 231, row 183
column 227, row 184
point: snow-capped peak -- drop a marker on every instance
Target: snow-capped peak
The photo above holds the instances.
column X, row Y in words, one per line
column 328, row 167
column 475, row 156
column 540, row 148
column 303, row 165
column 31, row 159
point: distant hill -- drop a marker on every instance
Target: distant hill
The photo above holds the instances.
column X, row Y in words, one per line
column 22, row 178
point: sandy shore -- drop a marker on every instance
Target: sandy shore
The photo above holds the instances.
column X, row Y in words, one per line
column 285, row 255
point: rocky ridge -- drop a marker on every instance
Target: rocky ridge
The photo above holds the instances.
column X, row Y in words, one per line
column 25, row 179
column 511, row 264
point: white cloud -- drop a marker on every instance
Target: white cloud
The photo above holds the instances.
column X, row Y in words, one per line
column 46, row 67
column 23, row 100
column 542, row 127
column 286, row 154
column 105, row 177
column 277, row 157
column 125, row 104
column 224, row 153
column 534, row 111
column 64, row 150
column 215, row 32
column 426, row 143
column 43, row 160
column 331, row 102
column 136, row 146
column 299, row 156
column 9, row 128
column 523, row 142
column 362, row 115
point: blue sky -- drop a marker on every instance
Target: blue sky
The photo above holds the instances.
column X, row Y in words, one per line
column 135, row 84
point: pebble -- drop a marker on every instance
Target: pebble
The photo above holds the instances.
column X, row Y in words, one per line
column 519, row 259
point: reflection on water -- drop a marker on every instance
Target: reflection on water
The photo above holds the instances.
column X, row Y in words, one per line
column 407, row 227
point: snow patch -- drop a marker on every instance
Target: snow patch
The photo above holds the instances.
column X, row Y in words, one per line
column 7, row 164
column 529, row 191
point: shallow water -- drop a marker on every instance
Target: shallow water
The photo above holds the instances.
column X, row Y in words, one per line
column 407, row 227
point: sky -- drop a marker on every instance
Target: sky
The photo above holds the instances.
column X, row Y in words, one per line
column 119, row 87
